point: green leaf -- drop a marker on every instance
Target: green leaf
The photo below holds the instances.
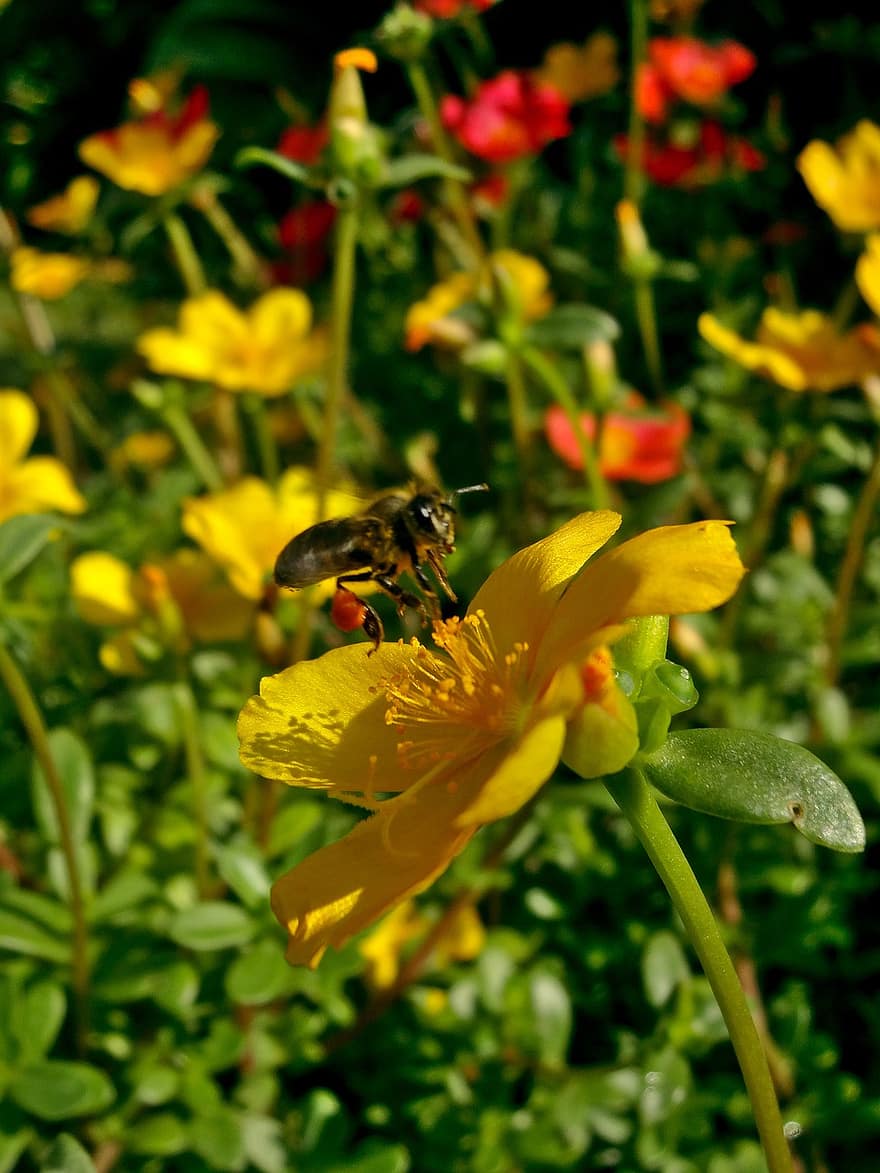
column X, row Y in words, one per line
column 256, row 156
column 217, row 1138
column 66, row 1155
column 664, row 967
column 39, row 1015
column 410, row 168
column 161, row 1135
column 258, row 976
column 757, row 778
column 21, row 935
column 21, row 540
column 211, row 925
column 13, row 1141
column 56, row 1090
column 243, row 870
column 573, row 326
column 125, row 891
column 551, row 1006
column 74, row 765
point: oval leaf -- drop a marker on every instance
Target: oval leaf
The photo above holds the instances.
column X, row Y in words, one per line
column 66, row 1155
column 256, row 156
column 212, row 925
column 21, row 935
column 56, row 1090
column 409, row 168
column 757, row 778
column 21, row 540
column 74, row 765
column 573, row 326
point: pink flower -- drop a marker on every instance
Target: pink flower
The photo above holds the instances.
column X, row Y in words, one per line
column 510, row 116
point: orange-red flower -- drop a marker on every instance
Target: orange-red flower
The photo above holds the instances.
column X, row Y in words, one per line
column 690, row 70
column 448, row 9
column 707, row 158
column 303, row 235
column 636, row 444
column 304, row 144
column 510, row 116
column 154, row 154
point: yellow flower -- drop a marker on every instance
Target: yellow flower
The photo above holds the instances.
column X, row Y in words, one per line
column 245, row 528
column 168, row 602
column 868, row 272
column 846, row 181
column 154, row 154
column 437, row 743
column 143, row 450
column 801, row 351
column 584, row 71
column 30, row 486
column 265, row 349
column 524, row 283
column 69, row 212
column 46, row 275
column 461, row 939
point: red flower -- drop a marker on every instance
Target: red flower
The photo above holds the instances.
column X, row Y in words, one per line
column 407, row 207
column 672, row 164
column 510, row 116
column 690, row 70
column 304, row 144
column 636, row 444
column 447, row 9
column 303, row 234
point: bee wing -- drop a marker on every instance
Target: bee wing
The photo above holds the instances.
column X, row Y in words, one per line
column 329, row 549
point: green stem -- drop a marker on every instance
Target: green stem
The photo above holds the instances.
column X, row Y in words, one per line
column 849, row 568
column 247, row 265
column 342, row 301
column 454, row 191
column 646, row 316
column 32, row 720
column 634, row 797
column 270, row 464
column 182, row 428
column 519, row 415
column 187, row 259
column 634, row 178
column 552, row 379
column 195, row 768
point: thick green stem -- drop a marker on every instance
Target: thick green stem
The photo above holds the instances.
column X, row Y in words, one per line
column 455, row 194
column 32, row 720
column 552, row 379
column 185, row 255
column 646, row 316
column 634, row 179
column 849, row 568
column 195, row 768
column 248, row 267
column 192, row 444
column 340, row 339
column 267, row 450
column 634, row 797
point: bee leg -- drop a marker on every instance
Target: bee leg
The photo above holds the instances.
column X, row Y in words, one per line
column 439, row 569
column 373, row 628
column 430, row 593
column 402, row 598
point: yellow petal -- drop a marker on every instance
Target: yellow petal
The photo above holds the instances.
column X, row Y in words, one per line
column 237, row 527
column 673, row 570
column 868, row 272
column 282, row 315
column 321, row 723
column 170, row 353
column 42, row 483
column 765, row 360
column 103, row 589
column 518, row 598
column 213, row 321
column 18, row 426
column 387, row 858
column 519, row 775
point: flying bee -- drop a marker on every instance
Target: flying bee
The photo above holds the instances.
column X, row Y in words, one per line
column 402, row 531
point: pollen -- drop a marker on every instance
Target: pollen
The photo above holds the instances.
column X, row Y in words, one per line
column 467, row 689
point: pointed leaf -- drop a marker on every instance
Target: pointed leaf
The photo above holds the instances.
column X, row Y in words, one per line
column 573, row 326
column 66, row 1155
column 255, row 156
column 21, row 935
column 409, row 168
column 21, row 540
column 74, row 765
column 211, row 925
column 757, row 778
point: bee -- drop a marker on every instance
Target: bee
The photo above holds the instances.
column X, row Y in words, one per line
column 402, row 531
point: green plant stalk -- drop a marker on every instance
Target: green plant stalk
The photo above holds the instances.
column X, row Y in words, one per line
column 634, row 178
column 646, row 316
column 246, row 262
column 517, row 402
column 454, row 192
column 270, row 464
column 32, row 720
column 633, row 795
column 186, row 258
column 544, row 369
column 195, row 768
column 849, row 568
column 342, row 301
column 192, row 444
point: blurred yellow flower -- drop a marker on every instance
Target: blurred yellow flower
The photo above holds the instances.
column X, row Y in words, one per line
column 868, row 272
column 244, row 528
column 437, row 743
column 846, row 181
column 46, row 275
column 264, row 349
column 36, row 485
column 461, row 939
column 143, row 450
column 584, row 71
column 166, row 603
column 801, row 351
column 70, row 211
column 156, row 153
column 524, row 284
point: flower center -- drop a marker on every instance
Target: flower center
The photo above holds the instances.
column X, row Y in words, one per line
column 453, row 703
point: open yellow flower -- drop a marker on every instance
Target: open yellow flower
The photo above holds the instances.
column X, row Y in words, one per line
column 801, row 351
column 244, row 528
column 36, row 485
column 461, row 939
column 437, row 743
column 70, row 211
column 264, row 349
column 525, row 283
column 46, row 275
column 868, row 272
column 154, row 154
column 170, row 602
column 846, row 181
column 584, row 71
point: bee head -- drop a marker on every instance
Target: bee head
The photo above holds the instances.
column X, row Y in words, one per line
column 432, row 519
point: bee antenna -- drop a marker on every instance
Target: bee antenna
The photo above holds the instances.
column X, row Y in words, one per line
column 483, row 488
